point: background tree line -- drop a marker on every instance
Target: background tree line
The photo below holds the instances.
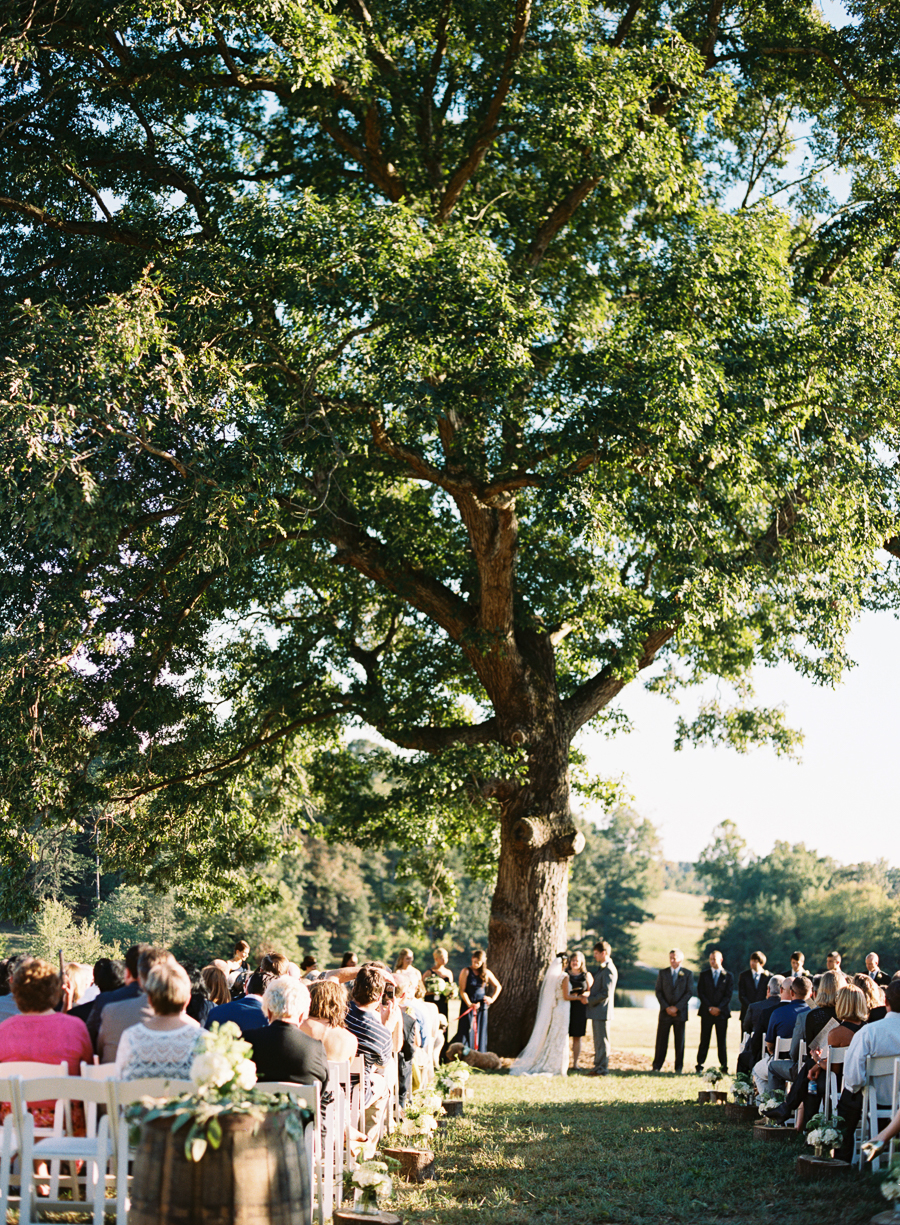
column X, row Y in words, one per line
column 794, row 898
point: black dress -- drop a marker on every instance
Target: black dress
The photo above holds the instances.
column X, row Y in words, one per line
column 577, row 1010
column 443, row 1004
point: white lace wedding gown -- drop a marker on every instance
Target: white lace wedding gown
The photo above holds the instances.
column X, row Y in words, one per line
column 547, row 1052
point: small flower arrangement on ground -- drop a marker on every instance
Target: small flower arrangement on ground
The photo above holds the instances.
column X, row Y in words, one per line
column 822, row 1132
column 224, row 1080
column 769, row 1100
column 420, row 1119
column 711, row 1076
column 369, row 1183
column 890, row 1184
column 451, row 1076
column 435, row 985
column 743, row 1089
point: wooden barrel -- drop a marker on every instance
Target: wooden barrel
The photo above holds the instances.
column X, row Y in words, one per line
column 416, row 1164
column 714, row 1096
column 259, row 1175
column 346, row 1216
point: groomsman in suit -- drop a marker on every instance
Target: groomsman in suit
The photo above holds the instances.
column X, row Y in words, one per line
column 600, row 1005
column 874, row 971
column 753, row 984
column 715, row 987
column 674, row 987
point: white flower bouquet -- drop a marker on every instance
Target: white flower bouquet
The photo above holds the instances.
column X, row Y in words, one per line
column 451, row 1076
column 824, row 1137
column 712, row 1076
column 769, row 1100
column 420, row 1119
column 890, row 1184
column 369, row 1183
column 224, row 1080
column 743, row 1089
column 435, row 985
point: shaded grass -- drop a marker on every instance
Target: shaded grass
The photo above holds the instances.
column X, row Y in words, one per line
column 628, row 1148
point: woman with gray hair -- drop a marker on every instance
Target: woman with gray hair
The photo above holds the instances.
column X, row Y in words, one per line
column 281, row 1051
column 164, row 1044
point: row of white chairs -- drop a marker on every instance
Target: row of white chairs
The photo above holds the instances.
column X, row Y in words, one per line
column 330, row 1139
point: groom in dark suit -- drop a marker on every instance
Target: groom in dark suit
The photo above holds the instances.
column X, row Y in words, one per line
column 714, row 987
column 674, row 987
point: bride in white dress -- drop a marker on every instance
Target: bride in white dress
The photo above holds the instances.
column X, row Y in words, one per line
column 547, row 1052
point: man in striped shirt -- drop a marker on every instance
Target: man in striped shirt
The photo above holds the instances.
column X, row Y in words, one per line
column 372, row 1017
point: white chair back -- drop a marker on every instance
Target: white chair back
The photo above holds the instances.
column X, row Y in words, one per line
column 834, row 1058
column 122, row 1093
column 875, row 1115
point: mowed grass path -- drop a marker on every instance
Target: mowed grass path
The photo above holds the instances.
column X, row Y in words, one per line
column 630, row 1148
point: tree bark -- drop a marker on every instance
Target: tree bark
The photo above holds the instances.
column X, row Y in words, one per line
column 529, row 908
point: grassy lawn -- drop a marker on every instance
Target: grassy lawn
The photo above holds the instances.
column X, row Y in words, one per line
column 630, row 1149
column 677, row 923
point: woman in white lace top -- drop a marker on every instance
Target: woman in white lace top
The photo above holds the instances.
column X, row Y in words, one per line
column 164, row 1045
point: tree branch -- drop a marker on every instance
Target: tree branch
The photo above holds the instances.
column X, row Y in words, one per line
column 626, row 23
column 487, row 130
column 436, row 739
column 95, row 229
column 560, row 216
column 590, row 698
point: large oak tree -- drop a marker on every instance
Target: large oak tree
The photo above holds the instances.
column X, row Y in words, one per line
column 432, row 365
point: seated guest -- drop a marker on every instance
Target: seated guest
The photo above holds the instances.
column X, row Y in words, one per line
column 7, row 1003
column 199, row 1005
column 822, row 1018
column 108, row 976
column 410, row 1040
column 756, row 1019
column 876, row 1038
column 782, row 1024
column 349, row 959
column 216, row 984
column 80, row 983
column 165, row 1043
column 328, row 1004
column 309, row 967
column 40, row 1034
column 372, row 1020
column 281, row 1050
column 128, row 991
column 245, row 1010
column 874, row 996
column 122, row 1014
column 875, row 972
column 787, row 1012
column 753, row 984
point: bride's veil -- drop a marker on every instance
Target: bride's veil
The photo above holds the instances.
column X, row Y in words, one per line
column 533, row 1052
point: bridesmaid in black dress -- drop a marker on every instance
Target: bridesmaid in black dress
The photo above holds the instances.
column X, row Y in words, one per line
column 575, row 989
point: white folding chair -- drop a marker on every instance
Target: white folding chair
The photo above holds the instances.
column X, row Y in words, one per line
column 875, row 1115
column 94, row 1150
column 26, row 1069
column 339, row 1082
column 834, row 1058
column 122, row 1093
column 321, row 1171
column 9, row 1146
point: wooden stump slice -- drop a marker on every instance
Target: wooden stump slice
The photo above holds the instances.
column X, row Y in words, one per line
column 416, row 1164
column 454, row 1107
column 821, row 1167
column 346, row 1216
column 773, row 1134
column 713, row 1096
column 736, row 1112
column 885, row 1218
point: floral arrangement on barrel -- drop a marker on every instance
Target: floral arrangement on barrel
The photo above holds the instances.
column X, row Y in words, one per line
column 769, row 1101
column 224, row 1080
column 743, row 1089
column 435, row 985
column 824, row 1134
column 369, row 1184
column 451, row 1078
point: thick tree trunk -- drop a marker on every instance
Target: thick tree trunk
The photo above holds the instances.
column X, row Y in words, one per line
column 528, row 913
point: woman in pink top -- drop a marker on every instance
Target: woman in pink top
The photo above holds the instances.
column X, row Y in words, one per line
column 40, row 1034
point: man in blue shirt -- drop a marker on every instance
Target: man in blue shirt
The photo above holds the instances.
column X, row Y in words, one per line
column 781, row 1025
column 246, row 1011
